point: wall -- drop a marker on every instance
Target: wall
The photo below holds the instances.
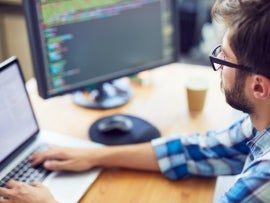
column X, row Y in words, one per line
column 13, row 35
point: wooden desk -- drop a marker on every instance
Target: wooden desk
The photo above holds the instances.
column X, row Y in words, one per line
column 163, row 103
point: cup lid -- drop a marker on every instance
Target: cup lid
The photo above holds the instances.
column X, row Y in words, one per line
column 197, row 83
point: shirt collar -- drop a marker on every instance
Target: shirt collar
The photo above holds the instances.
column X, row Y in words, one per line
column 260, row 143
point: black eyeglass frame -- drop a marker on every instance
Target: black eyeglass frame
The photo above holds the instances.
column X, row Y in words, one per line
column 214, row 59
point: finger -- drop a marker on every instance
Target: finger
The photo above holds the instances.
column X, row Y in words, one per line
column 40, row 156
column 4, row 192
column 4, row 200
column 37, row 158
column 55, row 165
column 13, row 184
column 52, row 153
column 36, row 184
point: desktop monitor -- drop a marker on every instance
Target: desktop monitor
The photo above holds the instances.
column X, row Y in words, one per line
column 82, row 45
column 88, row 47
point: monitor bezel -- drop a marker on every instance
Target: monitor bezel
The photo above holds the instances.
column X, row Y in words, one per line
column 39, row 59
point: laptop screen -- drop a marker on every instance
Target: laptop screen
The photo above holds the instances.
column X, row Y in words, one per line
column 17, row 121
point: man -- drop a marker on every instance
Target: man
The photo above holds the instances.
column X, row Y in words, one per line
column 244, row 148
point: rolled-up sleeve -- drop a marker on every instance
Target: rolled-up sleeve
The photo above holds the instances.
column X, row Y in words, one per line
column 210, row 154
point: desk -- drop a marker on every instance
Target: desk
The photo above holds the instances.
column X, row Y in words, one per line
column 163, row 103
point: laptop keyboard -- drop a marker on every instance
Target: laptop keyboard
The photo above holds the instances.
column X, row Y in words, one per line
column 25, row 172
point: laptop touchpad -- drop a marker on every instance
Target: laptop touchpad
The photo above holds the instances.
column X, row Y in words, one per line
column 65, row 185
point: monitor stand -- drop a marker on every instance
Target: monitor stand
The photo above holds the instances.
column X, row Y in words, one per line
column 109, row 95
column 105, row 96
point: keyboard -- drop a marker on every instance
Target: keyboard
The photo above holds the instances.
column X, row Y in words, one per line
column 25, row 172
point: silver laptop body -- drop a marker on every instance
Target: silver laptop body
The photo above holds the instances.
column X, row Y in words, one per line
column 20, row 135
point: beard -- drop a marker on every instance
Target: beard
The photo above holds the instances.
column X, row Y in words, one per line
column 236, row 97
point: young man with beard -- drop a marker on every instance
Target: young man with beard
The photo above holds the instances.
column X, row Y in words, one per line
column 243, row 60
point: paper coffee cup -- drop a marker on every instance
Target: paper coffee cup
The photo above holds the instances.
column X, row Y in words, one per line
column 196, row 88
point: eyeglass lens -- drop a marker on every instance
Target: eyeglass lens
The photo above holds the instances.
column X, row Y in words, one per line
column 218, row 54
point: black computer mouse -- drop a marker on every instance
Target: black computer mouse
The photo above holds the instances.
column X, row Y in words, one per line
column 113, row 123
column 137, row 129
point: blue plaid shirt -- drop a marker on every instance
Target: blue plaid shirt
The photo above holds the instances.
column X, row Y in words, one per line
column 240, row 149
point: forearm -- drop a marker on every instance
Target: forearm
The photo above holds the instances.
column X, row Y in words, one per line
column 136, row 156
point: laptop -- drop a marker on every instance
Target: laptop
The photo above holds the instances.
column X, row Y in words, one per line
column 20, row 136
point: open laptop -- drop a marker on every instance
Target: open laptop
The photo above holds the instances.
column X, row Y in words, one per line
column 20, row 135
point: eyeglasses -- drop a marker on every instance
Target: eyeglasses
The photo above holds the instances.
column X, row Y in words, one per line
column 217, row 62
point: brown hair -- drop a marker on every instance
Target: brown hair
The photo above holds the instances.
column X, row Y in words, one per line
column 248, row 22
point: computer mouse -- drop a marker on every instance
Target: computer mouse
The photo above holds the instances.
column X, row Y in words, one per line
column 117, row 122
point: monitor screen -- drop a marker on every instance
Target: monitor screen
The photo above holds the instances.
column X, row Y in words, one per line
column 77, row 43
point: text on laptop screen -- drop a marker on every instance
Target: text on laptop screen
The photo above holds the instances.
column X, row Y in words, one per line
column 17, row 121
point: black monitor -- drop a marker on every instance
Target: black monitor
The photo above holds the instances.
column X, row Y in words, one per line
column 89, row 46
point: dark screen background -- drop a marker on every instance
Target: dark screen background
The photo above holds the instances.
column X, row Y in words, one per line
column 106, row 46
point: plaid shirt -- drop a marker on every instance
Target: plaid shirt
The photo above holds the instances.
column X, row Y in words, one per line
column 240, row 149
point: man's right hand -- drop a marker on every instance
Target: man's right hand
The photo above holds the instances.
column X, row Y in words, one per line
column 64, row 158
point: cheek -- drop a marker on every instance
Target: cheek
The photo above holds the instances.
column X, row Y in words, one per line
column 227, row 76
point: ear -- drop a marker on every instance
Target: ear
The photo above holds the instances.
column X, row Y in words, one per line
column 260, row 86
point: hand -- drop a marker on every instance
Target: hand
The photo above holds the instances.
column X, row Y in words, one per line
column 64, row 158
column 135, row 156
column 18, row 192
